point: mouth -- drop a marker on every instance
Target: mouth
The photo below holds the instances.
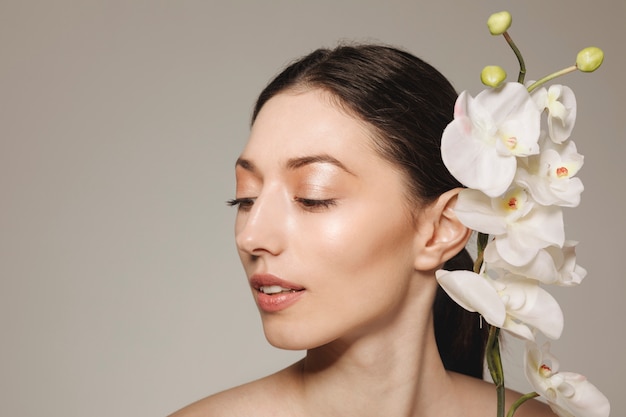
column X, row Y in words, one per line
column 276, row 289
column 274, row 294
column 271, row 284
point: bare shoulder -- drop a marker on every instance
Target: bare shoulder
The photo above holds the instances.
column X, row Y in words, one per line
column 480, row 396
column 232, row 402
column 251, row 399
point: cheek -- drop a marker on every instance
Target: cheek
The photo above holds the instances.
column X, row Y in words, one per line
column 362, row 241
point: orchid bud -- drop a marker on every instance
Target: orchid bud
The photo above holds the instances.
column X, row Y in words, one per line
column 589, row 59
column 492, row 75
column 498, row 23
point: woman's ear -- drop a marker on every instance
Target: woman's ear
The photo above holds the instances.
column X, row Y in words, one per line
column 439, row 233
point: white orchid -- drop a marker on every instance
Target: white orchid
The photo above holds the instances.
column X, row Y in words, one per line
column 552, row 265
column 560, row 102
column 520, row 226
column 480, row 146
column 510, row 147
column 549, row 176
column 507, row 301
column 568, row 394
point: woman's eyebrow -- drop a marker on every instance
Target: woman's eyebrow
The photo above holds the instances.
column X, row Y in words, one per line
column 295, row 163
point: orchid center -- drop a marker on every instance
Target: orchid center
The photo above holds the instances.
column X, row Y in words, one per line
column 513, row 201
column 545, row 371
column 562, row 172
column 510, row 142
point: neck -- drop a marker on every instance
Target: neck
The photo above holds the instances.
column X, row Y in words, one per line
column 395, row 370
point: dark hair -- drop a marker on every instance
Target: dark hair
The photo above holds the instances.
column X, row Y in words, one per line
column 408, row 103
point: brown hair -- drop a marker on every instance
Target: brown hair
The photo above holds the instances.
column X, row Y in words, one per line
column 408, row 103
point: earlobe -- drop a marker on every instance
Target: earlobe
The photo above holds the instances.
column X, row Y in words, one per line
column 440, row 235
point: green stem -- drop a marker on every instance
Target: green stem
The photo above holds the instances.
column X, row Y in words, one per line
column 520, row 59
column 551, row 77
column 521, row 400
column 481, row 242
column 478, row 263
column 494, row 363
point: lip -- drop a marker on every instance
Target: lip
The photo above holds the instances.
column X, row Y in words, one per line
column 272, row 303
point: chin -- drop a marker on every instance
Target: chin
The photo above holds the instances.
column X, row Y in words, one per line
column 288, row 341
column 289, row 338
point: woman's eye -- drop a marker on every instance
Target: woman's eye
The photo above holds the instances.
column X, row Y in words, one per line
column 312, row 204
column 245, row 203
column 241, row 203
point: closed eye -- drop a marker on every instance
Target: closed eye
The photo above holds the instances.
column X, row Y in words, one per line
column 314, row 205
column 244, row 203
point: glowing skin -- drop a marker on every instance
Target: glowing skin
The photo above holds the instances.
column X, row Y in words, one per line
column 324, row 226
column 320, row 209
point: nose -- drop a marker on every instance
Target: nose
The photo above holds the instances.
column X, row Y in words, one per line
column 261, row 230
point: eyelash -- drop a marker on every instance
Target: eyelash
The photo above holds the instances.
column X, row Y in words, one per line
column 311, row 204
column 241, row 203
column 246, row 203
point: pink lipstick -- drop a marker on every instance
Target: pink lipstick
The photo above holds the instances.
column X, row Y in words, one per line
column 273, row 294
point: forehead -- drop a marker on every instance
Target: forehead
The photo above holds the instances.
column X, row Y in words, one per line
column 294, row 124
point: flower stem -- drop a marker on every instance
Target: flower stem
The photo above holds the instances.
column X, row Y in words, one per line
column 521, row 400
column 494, row 362
column 551, row 77
column 518, row 54
column 492, row 350
column 481, row 242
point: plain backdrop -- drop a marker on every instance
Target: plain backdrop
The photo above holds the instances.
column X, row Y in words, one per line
column 121, row 293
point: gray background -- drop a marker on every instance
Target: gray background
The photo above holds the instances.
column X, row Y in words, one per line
column 120, row 290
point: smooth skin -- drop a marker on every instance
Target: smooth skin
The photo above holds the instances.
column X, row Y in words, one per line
column 320, row 208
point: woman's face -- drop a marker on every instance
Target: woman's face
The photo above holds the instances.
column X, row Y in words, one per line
column 323, row 229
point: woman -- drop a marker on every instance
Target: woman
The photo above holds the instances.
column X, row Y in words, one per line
column 345, row 212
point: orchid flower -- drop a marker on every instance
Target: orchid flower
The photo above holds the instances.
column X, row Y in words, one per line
column 560, row 102
column 509, row 146
column 549, row 176
column 552, row 265
column 509, row 302
column 567, row 393
column 479, row 147
column 520, row 226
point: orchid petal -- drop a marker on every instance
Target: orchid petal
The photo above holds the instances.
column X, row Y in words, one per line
column 507, row 102
column 518, row 329
column 540, row 228
column 552, row 265
column 560, row 103
column 583, row 399
column 474, row 293
column 479, row 146
column 535, row 307
column 561, row 112
column 568, row 394
column 474, row 209
column 549, row 176
column 474, row 163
